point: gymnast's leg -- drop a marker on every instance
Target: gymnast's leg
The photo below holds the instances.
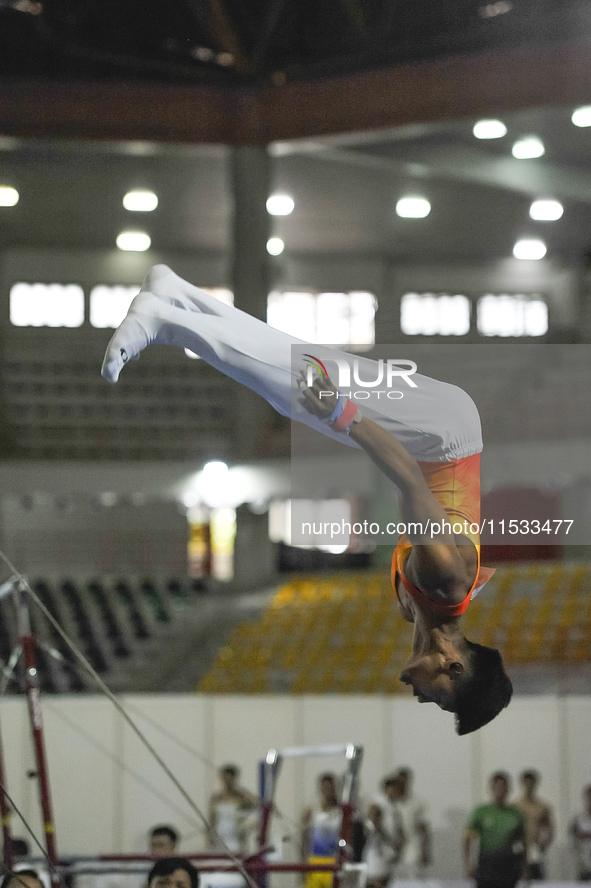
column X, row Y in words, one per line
column 435, row 421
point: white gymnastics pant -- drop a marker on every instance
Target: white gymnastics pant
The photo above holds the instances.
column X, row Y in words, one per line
column 435, row 421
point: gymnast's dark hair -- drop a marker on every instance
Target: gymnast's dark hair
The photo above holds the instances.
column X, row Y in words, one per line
column 166, row 866
column 484, row 693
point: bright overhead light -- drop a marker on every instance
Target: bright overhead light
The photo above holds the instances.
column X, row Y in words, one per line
column 529, row 248
column 413, row 207
column 546, row 210
column 275, row 246
column 529, row 146
column 280, row 205
column 216, row 468
column 489, row 129
column 140, row 201
column 213, row 483
column 134, row 241
column 582, row 116
column 8, row 196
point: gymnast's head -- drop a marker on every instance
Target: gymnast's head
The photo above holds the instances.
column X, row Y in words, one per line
column 24, row 878
column 173, row 872
column 461, row 677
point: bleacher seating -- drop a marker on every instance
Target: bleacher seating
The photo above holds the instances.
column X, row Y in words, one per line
column 119, row 627
column 344, row 634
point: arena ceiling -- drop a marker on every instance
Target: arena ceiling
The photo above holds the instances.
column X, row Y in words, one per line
column 228, row 41
column 360, row 101
column 345, row 191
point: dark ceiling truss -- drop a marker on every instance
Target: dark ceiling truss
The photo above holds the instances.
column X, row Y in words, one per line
column 242, row 40
column 166, row 70
column 486, row 83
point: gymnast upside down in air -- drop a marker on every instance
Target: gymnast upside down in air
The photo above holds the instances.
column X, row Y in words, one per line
column 428, row 444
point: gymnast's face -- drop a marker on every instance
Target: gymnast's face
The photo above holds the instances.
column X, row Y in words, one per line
column 434, row 677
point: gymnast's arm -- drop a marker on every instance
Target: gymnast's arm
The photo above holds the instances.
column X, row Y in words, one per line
column 436, row 564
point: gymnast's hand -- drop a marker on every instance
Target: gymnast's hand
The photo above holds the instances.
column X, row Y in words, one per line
column 311, row 400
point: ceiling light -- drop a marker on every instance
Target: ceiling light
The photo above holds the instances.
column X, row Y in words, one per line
column 546, row 210
column 280, row 205
column 134, row 241
column 8, row 196
column 489, row 129
column 529, row 146
column 529, row 248
column 413, row 207
column 275, row 246
column 140, row 201
column 213, row 483
column 216, row 468
column 582, row 116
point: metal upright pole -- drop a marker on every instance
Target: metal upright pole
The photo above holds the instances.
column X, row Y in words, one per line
column 36, row 721
column 7, row 852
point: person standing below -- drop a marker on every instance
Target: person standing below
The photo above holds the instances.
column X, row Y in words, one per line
column 163, row 841
column 386, row 835
column 229, row 813
column 501, row 833
column 581, row 832
column 173, row 872
column 321, row 831
column 539, row 822
column 416, row 853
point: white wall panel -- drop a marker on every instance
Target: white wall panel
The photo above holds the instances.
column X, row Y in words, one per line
column 80, row 735
column 154, row 799
column 108, row 791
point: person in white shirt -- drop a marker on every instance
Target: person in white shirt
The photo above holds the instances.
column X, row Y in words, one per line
column 416, row 853
column 386, row 835
column 581, row 832
column 230, row 813
column 540, row 825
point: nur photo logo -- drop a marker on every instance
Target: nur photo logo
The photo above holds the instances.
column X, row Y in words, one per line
column 387, row 372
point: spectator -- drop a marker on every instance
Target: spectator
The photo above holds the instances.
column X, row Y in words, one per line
column 581, row 833
column 173, row 872
column 416, row 853
column 321, row 830
column 229, row 812
column 539, row 824
column 386, row 834
column 163, row 841
column 501, row 831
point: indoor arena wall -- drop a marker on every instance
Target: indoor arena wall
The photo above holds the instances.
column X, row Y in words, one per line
column 107, row 790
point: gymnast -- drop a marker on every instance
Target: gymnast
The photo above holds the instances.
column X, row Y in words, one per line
column 427, row 443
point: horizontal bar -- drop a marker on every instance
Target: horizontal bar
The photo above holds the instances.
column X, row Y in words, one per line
column 207, row 864
column 300, row 751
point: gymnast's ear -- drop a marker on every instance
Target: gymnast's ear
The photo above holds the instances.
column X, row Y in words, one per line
column 455, row 669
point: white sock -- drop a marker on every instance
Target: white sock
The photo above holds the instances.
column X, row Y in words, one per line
column 162, row 281
column 153, row 318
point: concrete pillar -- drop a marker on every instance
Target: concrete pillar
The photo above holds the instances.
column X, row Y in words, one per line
column 250, row 274
column 250, row 172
